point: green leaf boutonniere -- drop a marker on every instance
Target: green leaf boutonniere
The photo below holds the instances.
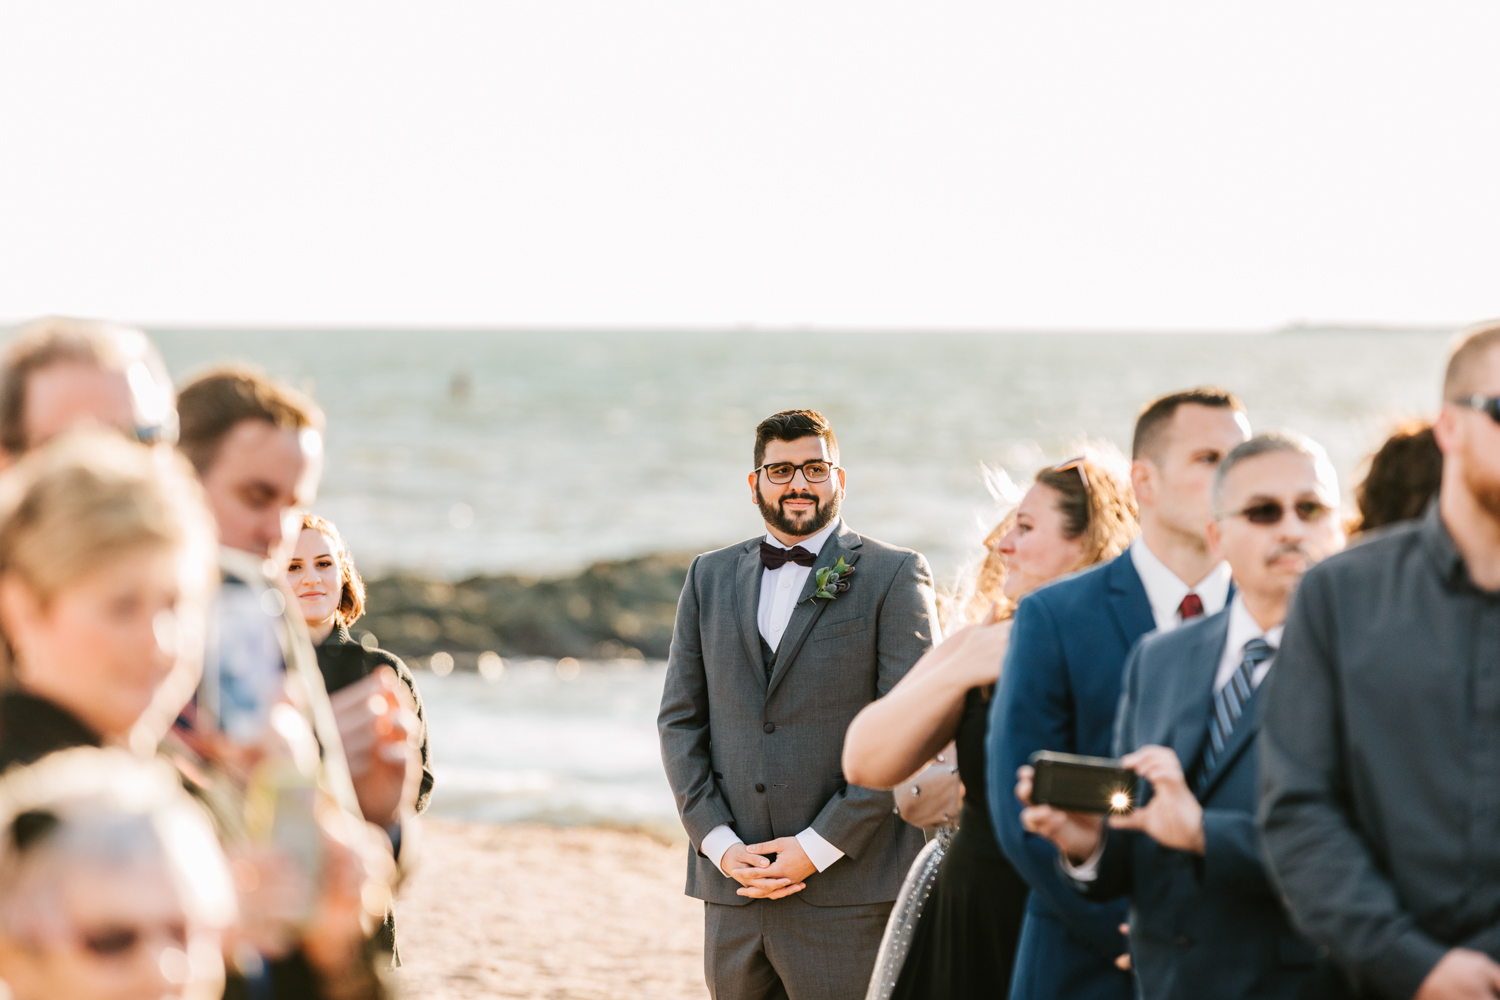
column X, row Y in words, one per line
column 833, row 580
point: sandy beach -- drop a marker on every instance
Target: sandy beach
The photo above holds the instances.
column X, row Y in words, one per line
column 548, row 912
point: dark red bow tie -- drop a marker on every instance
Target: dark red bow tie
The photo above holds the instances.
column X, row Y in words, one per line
column 775, row 557
column 1191, row 607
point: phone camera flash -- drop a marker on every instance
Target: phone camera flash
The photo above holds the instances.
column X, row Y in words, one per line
column 1119, row 801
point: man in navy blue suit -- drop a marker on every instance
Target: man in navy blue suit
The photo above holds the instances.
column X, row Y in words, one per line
column 1205, row 920
column 1060, row 685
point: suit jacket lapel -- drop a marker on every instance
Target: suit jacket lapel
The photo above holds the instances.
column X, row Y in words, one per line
column 845, row 543
column 747, row 577
column 1196, row 697
column 1127, row 599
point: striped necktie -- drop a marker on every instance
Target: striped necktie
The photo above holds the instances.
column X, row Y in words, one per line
column 1229, row 702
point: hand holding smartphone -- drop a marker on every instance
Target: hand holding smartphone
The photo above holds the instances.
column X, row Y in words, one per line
column 1082, row 784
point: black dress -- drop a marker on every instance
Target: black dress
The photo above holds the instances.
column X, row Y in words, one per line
column 964, row 944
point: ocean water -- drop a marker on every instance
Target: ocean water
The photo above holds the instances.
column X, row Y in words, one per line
column 453, row 453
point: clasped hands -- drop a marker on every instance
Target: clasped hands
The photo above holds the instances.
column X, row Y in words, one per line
column 760, row 877
column 1172, row 818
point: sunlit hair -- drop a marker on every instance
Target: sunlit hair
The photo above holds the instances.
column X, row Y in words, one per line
column 1269, row 442
column 214, row 403
column 88, row 498
column 1156, row 415
column 1096, row 502
column 793, row 425
column 352, row 587
column 88, row 812
column 1404, row 476
column 106, row 346
column 1470, row 344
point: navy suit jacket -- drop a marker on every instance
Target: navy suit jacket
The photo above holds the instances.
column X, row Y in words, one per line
column 1060, row 690
column 1208, row 926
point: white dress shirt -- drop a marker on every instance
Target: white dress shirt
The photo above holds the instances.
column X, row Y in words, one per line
column 780, row 587
column 779, row 590
column 1165, row 589
column 1242, row 628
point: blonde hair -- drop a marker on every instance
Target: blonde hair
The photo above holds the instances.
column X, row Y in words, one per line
column 89, row 497
column 352, row 586
column 1096, row 501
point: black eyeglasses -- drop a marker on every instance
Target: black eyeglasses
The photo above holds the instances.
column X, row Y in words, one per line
column 781, row 473
column 1488, row 405
column 1272, row 511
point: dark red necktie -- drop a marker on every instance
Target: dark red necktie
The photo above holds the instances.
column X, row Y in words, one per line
column 1191, row 607
column 775, row 557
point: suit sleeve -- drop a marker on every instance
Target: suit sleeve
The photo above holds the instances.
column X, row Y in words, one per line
column 1033, row 710
column 683, row 723
column 1335, row 890
column 906, row 627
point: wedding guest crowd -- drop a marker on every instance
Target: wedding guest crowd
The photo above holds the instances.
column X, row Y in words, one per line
column 162, row 730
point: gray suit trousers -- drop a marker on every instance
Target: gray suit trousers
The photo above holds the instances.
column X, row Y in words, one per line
column 784, row 949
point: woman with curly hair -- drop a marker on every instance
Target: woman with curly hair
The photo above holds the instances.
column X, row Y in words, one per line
column 1076, row 514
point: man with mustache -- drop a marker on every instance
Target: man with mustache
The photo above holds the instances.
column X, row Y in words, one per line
column 779, row 642
column 1205, row 920
column 1380, row 802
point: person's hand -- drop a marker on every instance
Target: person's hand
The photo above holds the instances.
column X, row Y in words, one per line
column 791, row 864
column 378, row 726
column 1461, row 974
column 1173, row 818
column 1077, row 835
column 354, row 890
column 976, row 660
column 1122, row 962
column 750, row 871
column 274, row 895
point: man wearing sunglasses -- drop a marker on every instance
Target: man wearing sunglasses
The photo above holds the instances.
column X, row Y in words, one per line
column 1060, row 685
column 797, row 868
column 1205, row 920
column 1380, row 803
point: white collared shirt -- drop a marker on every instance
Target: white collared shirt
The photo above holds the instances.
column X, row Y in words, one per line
column 780, row 587
column 1242, row 628
column 1165, row 589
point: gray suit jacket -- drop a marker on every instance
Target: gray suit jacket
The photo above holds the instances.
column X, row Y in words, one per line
column 765, row 758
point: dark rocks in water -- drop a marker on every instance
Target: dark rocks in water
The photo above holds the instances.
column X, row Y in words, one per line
column 612, row 610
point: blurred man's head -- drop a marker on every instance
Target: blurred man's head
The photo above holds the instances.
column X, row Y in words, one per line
column 797, row 482
column 57, row 373
column 1276, row 498
column 1180, row 439
column 1468, row 427
column 257, row 446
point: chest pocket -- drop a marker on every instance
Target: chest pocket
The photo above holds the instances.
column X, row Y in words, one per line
column 838, row 630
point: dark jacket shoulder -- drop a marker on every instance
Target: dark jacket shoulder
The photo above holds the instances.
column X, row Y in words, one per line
column 32, row 727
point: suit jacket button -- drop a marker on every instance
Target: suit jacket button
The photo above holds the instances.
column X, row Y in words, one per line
column 759, row 787
column 768, row 728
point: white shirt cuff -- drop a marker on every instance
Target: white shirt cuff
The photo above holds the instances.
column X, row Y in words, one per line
column 819, row 851
column 1089, row 870
column 717, row 844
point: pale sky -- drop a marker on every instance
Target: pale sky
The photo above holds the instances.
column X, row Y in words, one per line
column 915, row 165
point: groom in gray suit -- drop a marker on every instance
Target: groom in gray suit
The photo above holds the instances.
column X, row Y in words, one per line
column 780, row 641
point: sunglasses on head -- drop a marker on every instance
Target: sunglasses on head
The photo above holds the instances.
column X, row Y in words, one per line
column 1075, row 463
column 1272, row 511
column 1488, row 405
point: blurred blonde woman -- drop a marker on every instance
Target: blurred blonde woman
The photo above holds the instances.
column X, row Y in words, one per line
column 112, row 883
column 106, row 569
column 1076, row 514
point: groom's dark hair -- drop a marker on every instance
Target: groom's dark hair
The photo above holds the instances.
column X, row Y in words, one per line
column 790, row 425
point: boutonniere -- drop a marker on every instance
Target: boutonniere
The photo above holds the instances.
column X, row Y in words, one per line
column 833, row 580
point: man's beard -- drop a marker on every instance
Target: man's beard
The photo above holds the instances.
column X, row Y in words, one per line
column 1485, row 490
column 820, row 517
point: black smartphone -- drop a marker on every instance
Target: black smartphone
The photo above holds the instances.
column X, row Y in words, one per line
column 342, row 665
column 1082, row 784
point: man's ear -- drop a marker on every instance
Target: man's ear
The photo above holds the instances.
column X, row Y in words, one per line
column 752, row 479
column 1446, row 430
column 20, row 611
column 842, row 487
column 1211, row 533
column 1142, row 481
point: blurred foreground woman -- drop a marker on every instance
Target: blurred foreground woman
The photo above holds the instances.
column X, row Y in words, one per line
column 106, row 568
column 1075, row 515
column 112, row 884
